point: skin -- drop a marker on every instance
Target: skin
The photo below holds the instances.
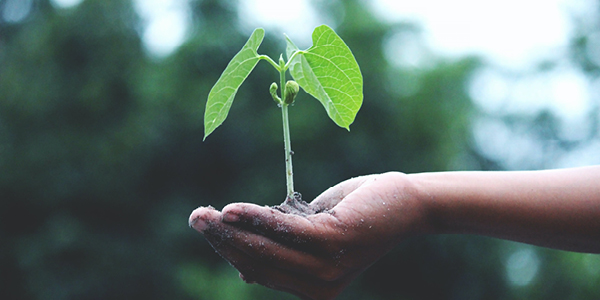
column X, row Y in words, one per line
column 317, row 256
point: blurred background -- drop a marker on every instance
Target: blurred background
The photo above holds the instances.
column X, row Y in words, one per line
column 101, row 126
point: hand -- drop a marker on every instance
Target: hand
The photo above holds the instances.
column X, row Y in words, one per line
column 316, row 256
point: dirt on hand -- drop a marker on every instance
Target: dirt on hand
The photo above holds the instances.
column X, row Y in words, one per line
column 295, row 205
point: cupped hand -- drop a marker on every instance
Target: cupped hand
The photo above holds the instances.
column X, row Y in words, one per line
column 316, row 256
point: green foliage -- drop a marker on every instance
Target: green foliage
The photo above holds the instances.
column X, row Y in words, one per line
column 329, row 72
column 222, row 94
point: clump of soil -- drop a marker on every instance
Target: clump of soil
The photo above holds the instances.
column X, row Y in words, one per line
column 295, row 205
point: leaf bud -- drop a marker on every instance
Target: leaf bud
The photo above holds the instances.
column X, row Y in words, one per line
column 281, row 61
column 273, row 91
column 291, row 90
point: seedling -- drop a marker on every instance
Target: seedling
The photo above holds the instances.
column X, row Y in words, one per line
column 328, row 71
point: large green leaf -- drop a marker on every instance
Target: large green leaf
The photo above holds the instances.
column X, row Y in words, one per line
column 329, row 72
column 222, row 93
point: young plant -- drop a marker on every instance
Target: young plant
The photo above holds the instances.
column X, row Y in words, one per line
column 328, row 71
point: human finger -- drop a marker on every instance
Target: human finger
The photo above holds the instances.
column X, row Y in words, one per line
column 255, row 271
column 313, row 263
column 335, row 194
column 279, row 226
column 203, row 217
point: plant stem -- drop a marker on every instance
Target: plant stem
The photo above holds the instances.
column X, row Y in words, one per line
column 289, row 172
column 288, row 151
column 271, row 61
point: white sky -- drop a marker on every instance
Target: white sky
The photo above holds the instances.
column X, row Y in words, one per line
column 66, row 3
column 166, row 24
column 509, row 33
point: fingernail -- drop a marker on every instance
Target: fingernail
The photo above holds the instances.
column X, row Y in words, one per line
column 230, row 217
column 198, row 224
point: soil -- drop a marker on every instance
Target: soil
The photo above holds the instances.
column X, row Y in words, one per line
column 295, row 205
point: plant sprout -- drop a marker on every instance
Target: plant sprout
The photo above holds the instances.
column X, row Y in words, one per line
column 327, row 70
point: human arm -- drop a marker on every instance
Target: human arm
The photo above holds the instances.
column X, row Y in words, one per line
column 316, row 256
column 552, row 208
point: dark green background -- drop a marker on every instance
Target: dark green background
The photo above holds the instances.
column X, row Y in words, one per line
column 102, row 159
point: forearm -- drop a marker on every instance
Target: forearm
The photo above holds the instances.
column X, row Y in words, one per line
column 554, row 208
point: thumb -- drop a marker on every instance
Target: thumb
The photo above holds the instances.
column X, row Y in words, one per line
column 335, row 194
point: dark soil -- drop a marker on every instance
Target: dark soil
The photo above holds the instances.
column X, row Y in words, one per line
column 295, row 205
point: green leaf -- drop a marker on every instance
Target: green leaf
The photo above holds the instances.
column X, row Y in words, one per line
column 291, row 47
column 329, row 72
column 222, row 93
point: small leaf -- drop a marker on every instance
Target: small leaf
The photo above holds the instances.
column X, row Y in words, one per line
column 329, row 72
column 222, row 93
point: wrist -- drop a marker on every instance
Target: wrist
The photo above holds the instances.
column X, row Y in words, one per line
column 412, row 204
column 425, row 190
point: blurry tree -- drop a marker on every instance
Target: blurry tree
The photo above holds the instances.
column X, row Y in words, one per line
column 585, row 52
column 76, row 140
column 102, row 158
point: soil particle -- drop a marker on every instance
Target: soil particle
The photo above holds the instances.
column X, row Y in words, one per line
column 295, row 205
